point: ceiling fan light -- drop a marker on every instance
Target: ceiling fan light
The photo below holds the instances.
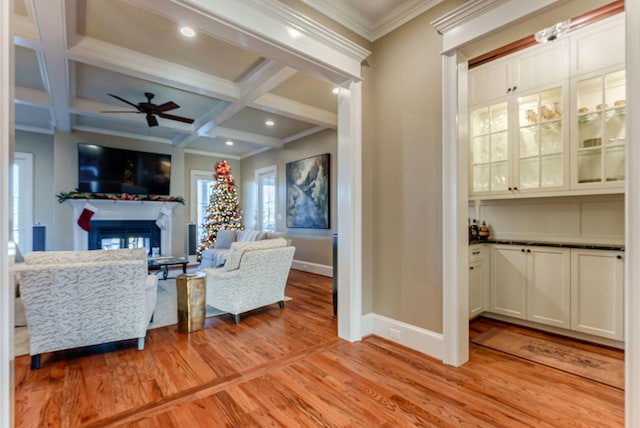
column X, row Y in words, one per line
column 551, row 33
column 187, row 31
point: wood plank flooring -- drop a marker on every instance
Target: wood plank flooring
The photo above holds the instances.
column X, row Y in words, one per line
column 288, row 368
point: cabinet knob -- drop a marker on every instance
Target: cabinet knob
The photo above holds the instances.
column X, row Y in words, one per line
column 508, row 90
column 510, row 189
column 522, row 250
column 515, row 188
column 470, row 267
column 619, row 257
column 528, row 250
column 514, row 88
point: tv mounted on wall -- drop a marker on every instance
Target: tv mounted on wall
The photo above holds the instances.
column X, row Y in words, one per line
column 110, row 170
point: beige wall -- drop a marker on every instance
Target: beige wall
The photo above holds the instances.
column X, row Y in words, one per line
column 312, row 245
column 403, row 183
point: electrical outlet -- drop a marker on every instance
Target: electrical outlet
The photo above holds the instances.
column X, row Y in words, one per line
column 394, row 333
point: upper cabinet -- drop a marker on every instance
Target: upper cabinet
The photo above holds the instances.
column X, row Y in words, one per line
column 598, row 46
column 520, row 145
column 599, row 131
column 550, row 119
column 518, row 73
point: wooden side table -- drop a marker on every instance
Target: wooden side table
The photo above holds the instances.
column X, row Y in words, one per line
column 191, row 296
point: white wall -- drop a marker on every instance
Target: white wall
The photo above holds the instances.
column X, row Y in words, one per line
column 587, row 219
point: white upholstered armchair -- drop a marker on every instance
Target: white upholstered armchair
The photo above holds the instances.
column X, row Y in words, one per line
column 80, row 298
column 254, row 275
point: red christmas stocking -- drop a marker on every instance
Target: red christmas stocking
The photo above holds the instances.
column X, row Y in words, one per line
column 85, row 217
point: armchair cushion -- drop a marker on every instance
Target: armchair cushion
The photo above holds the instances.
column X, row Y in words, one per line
column 238, row 249
column 224, row 238
column 249, row 235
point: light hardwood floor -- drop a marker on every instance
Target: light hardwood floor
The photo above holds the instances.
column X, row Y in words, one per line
column 287, row 368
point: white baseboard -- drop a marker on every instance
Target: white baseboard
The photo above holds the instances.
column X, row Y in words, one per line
column 313, row 268
column 416, row 338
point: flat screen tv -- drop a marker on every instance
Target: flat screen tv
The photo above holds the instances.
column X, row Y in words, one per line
column 110, row 170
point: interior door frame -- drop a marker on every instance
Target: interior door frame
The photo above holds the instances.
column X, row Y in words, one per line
column 471, row 25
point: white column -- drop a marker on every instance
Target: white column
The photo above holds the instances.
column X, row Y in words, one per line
column 632, row 226
column 455, row 269
column 7, row 297
column 350, row 212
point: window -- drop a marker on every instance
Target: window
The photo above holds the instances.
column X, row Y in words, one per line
column 266, row 179
column 201, row 189
column 22, row 201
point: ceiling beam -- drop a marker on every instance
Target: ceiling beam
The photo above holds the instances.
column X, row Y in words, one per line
column 50, row 20
column 296, row 110
column 247, row 137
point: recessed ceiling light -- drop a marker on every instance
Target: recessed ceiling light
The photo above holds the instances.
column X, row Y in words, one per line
column 336, row 91
column 229, row 143
column 187, row 31
column 269, row 122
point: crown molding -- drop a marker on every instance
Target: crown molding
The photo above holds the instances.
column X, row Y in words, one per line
column 401, row 15
column 281, row 33
column 465, row 13
column 371, row 30
column 475, row 19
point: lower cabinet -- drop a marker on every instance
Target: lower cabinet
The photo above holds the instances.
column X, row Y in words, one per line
column 478, row 279
column 575, row 289
column 508, row 281
column 548, row 286
column 597, row 293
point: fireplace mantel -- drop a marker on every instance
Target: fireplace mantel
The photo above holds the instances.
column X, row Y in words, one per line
column 122, row 210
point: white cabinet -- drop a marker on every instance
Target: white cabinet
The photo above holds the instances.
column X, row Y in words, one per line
column 478, row 279
column 597, row 293
column 519, row 72
column 550, row 120
column 508, row 281
column 548, row 286
column 532, row 283
column 599, row 137
column 520, row 145
column 598, row 46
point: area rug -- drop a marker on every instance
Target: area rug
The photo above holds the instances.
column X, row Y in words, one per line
column 587, row 364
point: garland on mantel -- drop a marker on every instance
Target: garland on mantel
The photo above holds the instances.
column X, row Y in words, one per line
column 63, row 196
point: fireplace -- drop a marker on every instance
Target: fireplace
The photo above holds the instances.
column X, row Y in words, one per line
column 125, row 212
column 116, row 234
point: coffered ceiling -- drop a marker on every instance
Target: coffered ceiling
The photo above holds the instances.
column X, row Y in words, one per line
column 71, row 54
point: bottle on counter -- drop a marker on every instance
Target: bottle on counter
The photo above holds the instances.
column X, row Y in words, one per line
column 483, row 232
column 474, row 229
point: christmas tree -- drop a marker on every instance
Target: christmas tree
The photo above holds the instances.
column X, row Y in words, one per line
column 224, row 208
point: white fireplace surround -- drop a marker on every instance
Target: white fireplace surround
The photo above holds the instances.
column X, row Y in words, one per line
column 122, row 210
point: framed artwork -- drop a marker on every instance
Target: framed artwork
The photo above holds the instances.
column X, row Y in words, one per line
column 308, row 193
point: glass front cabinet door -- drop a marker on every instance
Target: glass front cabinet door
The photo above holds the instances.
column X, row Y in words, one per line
column 519, row 145
column 599, row 136
column 489, row 148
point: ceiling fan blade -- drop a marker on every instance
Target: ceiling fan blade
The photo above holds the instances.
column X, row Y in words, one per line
column 151, row 120
column 174, row 117
column 124, row 101
column 166, row 107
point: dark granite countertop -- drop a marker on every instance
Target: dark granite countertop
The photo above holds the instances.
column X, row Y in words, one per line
column 611, row 247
